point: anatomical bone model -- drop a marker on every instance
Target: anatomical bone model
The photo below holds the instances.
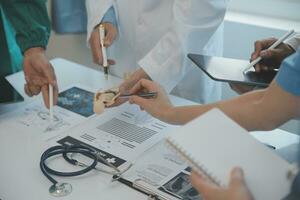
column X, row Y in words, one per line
column 105, row 99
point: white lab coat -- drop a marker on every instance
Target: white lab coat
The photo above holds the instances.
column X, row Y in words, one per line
column 157, row 35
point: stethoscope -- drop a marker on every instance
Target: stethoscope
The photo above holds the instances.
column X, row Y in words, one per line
column 67, row 151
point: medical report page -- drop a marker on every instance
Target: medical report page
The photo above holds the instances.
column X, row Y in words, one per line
column 121, row 134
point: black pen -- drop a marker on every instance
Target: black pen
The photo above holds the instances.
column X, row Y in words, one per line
column 144, row 95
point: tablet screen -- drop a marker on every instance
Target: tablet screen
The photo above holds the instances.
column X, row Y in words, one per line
column 7, row 93
column 231, row 70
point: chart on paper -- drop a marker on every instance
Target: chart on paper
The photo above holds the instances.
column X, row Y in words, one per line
column 125, row 132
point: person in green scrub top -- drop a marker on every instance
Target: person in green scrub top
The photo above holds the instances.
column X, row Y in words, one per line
column 24, row 34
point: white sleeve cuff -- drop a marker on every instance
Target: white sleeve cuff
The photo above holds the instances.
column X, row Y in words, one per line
column 96, row 11
column 294, row 42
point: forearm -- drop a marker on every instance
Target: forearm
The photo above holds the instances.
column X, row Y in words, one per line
column 258, row 110
column 243, row 110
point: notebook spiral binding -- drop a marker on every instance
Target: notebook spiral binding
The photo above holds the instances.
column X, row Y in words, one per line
column 199, row 168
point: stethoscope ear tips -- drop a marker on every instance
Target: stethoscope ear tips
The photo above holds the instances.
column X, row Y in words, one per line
column 60, row 189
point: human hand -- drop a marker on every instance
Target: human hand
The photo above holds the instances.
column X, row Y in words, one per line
column 126, row 86
column 159, row 107
column 110, row 35
column 271, row 59
column 241, row 88
column 236, row 190
column 39, row 73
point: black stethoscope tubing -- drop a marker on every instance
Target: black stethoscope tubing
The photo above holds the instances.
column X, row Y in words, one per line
column 65, row 150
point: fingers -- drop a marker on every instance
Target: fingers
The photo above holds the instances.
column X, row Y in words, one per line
column 118, row 102
column 52, row 80
column 237, row 177
column 144, row 84
column 27, row 91
column 269, row 58
column 261, row 46
column 55, row 94
column 111, row 34
column 35, row 90
column 142, row 102
column 206, row 188
column 45, row 92
column 96, row 47
column 32, row 90
column 49, row 73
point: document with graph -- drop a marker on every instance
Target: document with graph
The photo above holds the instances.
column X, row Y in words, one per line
column 121, row 134
column 127, row 136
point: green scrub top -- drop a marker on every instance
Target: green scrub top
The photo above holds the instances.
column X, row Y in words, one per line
column 23, row 24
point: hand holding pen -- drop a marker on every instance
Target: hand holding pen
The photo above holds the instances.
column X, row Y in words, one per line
column 256, row 59
column 271, row 58
column 95, row 43
column 158, row 106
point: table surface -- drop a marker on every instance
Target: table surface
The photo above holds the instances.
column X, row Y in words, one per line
column 20, row 175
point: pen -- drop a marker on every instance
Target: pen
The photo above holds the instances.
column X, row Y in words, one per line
column 270, row 146
column 273, row 46
column 145, row 95
column 51, row 102
column 104, row 53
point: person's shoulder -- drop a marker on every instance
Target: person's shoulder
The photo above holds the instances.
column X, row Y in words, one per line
column 293, row 61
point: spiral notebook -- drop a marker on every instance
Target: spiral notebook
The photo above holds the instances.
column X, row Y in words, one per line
column 213, row 144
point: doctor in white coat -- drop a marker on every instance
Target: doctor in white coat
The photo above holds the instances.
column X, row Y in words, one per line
column 151, row 38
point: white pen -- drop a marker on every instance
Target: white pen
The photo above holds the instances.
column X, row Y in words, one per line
column 273, row 46
column 104, row 54
column 51, row 102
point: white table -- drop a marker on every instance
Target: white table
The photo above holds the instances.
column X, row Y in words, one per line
column 20, row 175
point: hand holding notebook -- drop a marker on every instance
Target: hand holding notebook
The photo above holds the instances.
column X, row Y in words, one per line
column 213, row 150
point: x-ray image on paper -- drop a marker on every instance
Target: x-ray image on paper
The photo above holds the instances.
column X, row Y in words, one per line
column 180, row 185
column 77, row 100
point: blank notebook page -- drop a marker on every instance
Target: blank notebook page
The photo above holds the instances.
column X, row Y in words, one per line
column 217, row 144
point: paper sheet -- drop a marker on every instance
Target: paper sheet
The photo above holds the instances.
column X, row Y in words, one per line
column 73, row 108
column 163, row 171
column 125, row 132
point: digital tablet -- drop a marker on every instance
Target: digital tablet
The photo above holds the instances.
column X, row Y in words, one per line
column 231, row 70
column 7, row 93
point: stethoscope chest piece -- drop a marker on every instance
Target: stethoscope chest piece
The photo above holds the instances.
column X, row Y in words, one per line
column 60, row 189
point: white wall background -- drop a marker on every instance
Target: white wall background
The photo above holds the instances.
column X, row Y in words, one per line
column 239, row 39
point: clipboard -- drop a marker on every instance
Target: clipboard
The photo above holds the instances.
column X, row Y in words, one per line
column 141, row 186
column 231, row 70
